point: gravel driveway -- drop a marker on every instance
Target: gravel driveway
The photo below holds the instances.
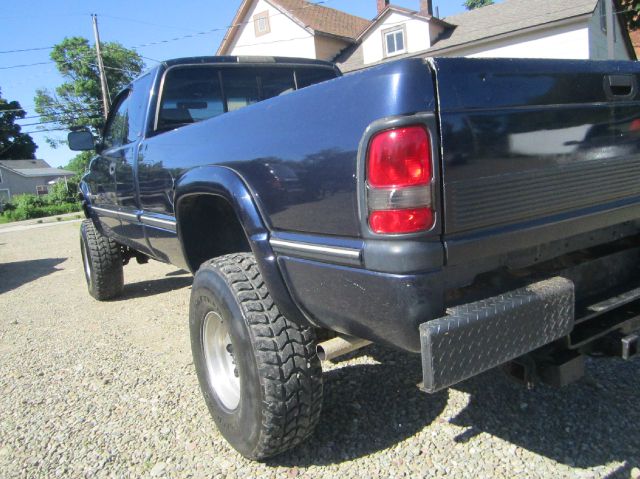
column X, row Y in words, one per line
column 109, row 390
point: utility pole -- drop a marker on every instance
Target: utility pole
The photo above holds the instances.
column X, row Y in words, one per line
column 611, row 39
column 103, row 78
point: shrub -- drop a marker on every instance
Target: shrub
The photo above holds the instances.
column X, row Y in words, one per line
column 62, row 198
column 19, row 213
column 27, row 201
column 62, row 192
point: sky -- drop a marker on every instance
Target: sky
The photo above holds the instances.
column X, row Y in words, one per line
column 27, row 24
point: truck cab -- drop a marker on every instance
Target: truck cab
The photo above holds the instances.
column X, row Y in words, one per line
column 132, row 193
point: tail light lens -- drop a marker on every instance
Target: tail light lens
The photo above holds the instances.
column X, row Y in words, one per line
column 399, row 176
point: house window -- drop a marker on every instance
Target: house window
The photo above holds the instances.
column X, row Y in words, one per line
column 42, row 190
column 261, row 23
column 394, row 41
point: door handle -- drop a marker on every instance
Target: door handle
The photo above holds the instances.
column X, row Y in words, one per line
column 620, row 87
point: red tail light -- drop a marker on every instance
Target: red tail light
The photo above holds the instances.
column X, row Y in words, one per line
column 399, row 175
column 406, row 220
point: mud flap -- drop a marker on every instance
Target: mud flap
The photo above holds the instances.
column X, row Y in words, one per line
column 478, row 336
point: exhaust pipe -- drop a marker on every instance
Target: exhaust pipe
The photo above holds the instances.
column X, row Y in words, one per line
column 339, row 346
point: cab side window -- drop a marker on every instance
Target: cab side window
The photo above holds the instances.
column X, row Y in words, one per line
column 190, row 94
column 117, row 131
column 194, row 93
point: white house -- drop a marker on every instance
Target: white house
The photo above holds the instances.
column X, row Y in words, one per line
column 290, row 28
column 573, row 29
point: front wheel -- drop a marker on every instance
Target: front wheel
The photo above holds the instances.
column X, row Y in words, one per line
column 101, row 261
column 258, row 372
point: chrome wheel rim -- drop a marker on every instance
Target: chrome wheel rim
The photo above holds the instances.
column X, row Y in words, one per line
column 222, row 370
column 85, row 263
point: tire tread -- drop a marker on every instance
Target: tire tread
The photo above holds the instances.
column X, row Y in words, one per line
column 106, row 263
column 286, row 358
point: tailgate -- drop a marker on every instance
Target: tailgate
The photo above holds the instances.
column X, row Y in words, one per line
column 546, row 147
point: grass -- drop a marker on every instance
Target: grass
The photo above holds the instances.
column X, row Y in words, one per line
column 46, row 219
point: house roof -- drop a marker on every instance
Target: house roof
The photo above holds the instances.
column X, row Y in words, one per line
column 324, row 19
column 24, row 164
column 394, row 8
column 34, row 168
column 312, row 17
column 486, row 23
column 510, row 16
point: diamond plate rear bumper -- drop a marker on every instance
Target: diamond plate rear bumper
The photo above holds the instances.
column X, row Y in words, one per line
column 478, row 336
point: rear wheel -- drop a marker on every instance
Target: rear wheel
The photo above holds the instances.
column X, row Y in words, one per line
column 101, row 261
column 258, row 372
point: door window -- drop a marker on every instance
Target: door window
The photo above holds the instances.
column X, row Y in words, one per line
column 117, row 131
column 138, row 103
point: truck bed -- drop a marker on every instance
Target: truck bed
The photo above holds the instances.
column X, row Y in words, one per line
column 535, row 151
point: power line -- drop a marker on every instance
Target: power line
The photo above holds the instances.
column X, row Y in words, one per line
column 25, row 65
column 50, row 105
column 226, row 27
column 27, row 50
column 151, row 59
column 273, row 41
column 142, row 22
column 45, row 130
column 54, row 113
column 92, row 117
column 43, row 63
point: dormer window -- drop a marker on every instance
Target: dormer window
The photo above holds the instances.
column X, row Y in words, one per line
column 261, row 23
column 394, row 41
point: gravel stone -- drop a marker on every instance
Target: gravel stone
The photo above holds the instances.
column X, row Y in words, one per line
column 158, row 470
column 90, row 389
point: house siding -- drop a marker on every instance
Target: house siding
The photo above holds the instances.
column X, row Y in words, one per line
column 18, row 184
column 327, row 48
column 351, row 59
column 564, row 42
column 286, row 38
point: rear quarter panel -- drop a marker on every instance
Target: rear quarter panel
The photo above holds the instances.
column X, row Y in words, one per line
column 298, row 152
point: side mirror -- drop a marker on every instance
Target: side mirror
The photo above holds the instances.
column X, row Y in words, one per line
column 81, row 141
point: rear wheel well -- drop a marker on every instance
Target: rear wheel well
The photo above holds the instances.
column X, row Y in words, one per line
column 209, row 227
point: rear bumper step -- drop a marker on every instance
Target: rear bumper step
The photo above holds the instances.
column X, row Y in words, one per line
column 475, row 337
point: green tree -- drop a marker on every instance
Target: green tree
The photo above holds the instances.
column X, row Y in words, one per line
column 80, row 163
column 13, row 143
column 77, row 103
column 631, row 13
column 473, row 4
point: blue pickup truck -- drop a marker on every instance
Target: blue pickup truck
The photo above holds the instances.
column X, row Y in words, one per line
column 478, row 212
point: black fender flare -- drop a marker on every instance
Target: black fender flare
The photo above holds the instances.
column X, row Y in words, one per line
column 222, row 181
